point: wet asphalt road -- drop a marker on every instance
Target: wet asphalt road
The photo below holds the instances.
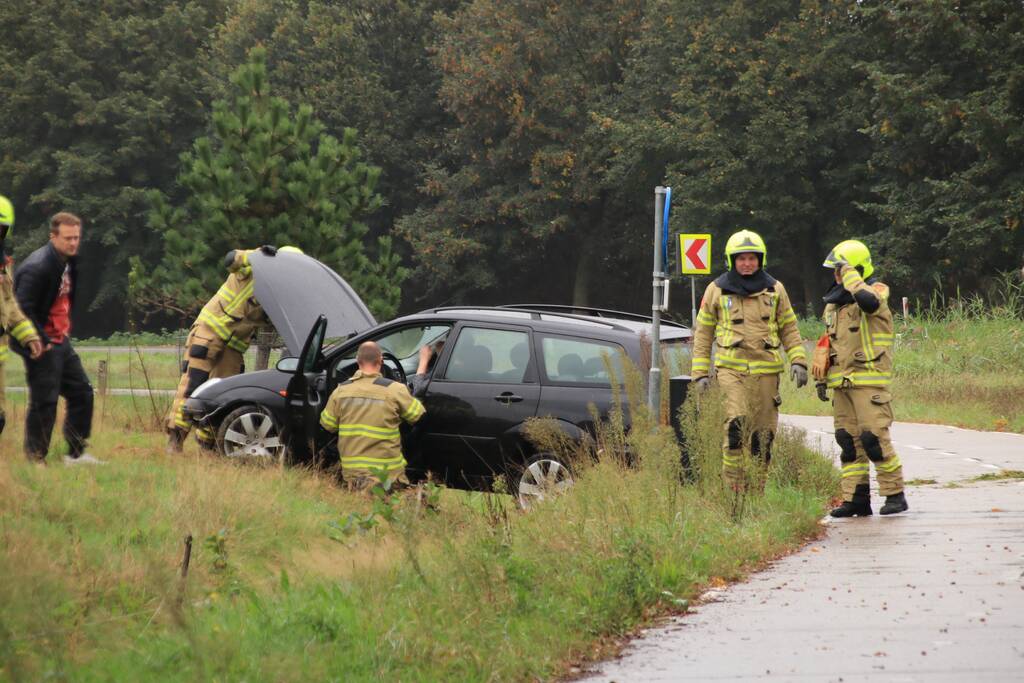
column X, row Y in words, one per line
column 936, row 594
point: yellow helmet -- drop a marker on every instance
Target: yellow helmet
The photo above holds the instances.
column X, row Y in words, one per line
column 291, row 249
column 6, row 213
column 745, row 242
column 855, row 253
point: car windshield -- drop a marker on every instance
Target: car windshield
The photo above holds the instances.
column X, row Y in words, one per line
column 405, row 343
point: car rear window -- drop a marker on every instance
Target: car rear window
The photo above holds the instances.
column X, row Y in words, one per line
column 571, row 360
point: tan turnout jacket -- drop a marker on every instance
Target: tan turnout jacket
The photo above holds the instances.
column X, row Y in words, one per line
column 860, row 343
column 13, row 320
column 233, row 314
column 752, row 332
column 366, row 412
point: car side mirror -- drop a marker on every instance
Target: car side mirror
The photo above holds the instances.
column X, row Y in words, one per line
column 288, row 364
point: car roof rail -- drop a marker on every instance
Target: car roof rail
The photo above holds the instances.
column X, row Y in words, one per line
column 591, row 311
column 535, row 315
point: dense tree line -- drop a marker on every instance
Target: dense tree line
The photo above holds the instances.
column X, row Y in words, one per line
column 510, row 148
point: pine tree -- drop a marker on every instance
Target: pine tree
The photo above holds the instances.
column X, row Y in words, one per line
column 266, row 176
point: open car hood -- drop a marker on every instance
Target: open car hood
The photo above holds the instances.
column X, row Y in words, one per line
column 295, row 289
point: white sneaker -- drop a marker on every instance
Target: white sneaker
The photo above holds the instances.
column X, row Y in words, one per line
column 83, row 459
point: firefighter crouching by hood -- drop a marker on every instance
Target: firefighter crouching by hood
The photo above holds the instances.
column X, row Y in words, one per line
column 366, row 413
column 858, row 369
column 13, row 320
column 217, row 342
column 748, row 313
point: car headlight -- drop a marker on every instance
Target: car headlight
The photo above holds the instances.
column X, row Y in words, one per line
column 204, row 386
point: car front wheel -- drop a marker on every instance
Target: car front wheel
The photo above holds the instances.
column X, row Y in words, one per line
column 251, row 433
column 543, row 477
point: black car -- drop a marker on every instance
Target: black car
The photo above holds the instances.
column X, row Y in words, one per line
column 498, row 367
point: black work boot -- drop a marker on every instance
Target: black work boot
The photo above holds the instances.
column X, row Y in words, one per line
column 175, row 441
column 860, row 506
column 893, row 504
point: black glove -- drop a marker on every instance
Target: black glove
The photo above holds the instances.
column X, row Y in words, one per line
column 798, row 374
column 269, row 250
column 822, row 391
column 229, row 259
column 703, row 383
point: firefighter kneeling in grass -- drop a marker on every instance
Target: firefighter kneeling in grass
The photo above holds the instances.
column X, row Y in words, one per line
column 218, row 340
column 748, row 313
column 366, row 412
column 854, row 359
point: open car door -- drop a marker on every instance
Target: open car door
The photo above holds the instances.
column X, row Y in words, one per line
column 304, row 396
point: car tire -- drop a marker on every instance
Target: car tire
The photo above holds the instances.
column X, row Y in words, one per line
column 544, row 475
column 251, row 433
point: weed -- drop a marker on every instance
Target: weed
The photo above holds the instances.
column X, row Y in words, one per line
column 1000, row 475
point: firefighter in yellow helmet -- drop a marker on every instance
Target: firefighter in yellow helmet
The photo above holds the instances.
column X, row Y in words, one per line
column 13, row 321
column 218, row 340
column 858, row 369
column 748, row 313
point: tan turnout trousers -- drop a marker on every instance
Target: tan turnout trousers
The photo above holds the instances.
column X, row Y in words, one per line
column 863, row 416
column 751, row 418
column 206, row 356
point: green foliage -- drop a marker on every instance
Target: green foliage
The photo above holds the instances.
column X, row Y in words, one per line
column 266, row 176
column 518, row 142
column 97, row 100
column 755, row 110
column 360, row 63
column 946, row 123
column 516, row 187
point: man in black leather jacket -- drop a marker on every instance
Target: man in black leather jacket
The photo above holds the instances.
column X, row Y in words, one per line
column 44, row 285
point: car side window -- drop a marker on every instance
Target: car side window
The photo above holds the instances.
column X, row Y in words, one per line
column 570, row 360
column 485, row 355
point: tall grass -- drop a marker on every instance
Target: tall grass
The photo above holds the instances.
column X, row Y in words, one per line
column 472, row 590
column 958, row 361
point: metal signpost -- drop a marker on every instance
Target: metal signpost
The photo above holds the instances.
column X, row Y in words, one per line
column 659, row 298
column 694, row 259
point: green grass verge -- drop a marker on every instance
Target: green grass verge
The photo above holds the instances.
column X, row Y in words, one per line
column 126, row 369
column 475, row 590
column 958, row 371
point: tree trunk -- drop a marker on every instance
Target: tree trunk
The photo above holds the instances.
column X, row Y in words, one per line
column 813, row 274
column 581, row 283
column 264, row 338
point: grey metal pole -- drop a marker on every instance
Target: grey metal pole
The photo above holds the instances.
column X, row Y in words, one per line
column 693, row 303
column 654, row 380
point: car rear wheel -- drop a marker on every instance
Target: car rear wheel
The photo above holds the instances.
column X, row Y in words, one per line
column 543, row 477
column 251, row 433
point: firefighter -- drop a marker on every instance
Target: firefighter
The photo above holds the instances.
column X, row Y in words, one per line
column 217, row 342
column 748, row 313
column 366, row 412
column 858, row 368
column 13, row 321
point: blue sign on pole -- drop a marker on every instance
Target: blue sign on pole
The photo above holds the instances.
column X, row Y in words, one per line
column 664, row 229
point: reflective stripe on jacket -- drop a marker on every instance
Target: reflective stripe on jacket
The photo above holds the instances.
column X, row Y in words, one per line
column 366, row 412
column 751, row 332
column 860, row 342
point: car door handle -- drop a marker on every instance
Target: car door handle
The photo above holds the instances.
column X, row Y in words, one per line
column 508, row 397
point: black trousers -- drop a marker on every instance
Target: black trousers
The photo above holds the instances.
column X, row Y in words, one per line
column 58, row 372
